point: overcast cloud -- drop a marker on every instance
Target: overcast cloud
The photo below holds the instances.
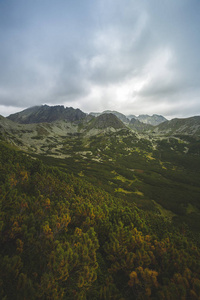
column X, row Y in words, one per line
column 136, row 57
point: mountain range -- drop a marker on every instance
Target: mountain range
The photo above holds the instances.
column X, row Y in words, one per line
column 152, row 120
column 45, row 113
column 154, row 124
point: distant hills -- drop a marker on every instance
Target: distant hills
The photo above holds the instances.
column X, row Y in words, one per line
column 151, row 120
column 45, row 113
column 186, row 126
column 80, row 122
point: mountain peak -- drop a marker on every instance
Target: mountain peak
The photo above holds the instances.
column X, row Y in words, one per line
column 49, row 114
column 119, row 115
column 107, row 120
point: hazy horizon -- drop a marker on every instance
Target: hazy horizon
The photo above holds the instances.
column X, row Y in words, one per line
column 88, row 112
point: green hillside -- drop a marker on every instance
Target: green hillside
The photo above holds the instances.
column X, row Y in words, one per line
column 64, row 238
column 147, row 172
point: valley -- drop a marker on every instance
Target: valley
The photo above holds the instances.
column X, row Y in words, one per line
column 96, row 208
column 158, row 166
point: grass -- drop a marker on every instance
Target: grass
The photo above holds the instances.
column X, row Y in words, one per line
column 164, row 212
column 122, row 178
column 120, row 190
column 139, row 193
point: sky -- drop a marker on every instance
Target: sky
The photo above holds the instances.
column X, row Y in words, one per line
column 132, row 56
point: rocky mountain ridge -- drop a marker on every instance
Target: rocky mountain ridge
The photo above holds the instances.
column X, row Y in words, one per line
column 49, row 137
column 80, row 122
column 151, row 120
column 146, row 119
column 45, row 113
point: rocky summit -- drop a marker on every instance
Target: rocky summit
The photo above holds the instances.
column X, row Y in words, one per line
column 45, row 113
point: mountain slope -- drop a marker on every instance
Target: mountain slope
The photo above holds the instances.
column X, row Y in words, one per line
column 36, row 137
column 135, row 124
column 186, row 126
column 49, row 137
column 45, row 113
column 152, row 120
column 119, row 115
column 146, row 119
column 63, row 238
column 107, row 120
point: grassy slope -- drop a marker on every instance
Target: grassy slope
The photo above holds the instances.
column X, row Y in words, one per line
column 130, row 167
column 63, row 238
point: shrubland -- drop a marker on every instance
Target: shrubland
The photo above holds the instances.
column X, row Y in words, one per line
column 64, row 236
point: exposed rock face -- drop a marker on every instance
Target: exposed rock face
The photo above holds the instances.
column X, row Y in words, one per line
column 45, row 113
column 152, row 120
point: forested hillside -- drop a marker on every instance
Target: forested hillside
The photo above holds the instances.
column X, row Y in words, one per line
column 63, row 238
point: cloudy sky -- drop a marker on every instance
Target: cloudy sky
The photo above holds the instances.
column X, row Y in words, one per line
column 133, row 56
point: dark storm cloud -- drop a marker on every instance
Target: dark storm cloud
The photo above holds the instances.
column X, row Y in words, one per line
column 41, row 48
column 133, row 56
